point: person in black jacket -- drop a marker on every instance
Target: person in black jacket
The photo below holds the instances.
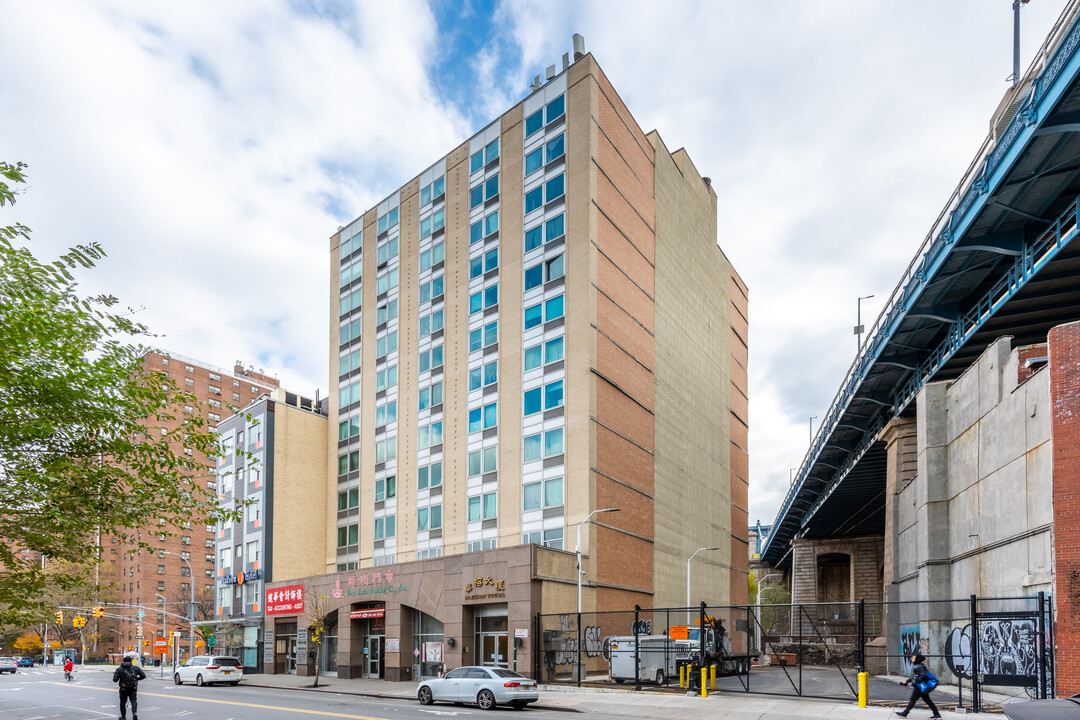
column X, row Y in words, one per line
column 918, row 674
column 129, row 675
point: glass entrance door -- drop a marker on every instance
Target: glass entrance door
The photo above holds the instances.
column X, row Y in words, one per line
column 493, row 649
column 373, row 657
column 290, row 654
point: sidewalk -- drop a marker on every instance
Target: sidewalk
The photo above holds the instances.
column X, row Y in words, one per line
column 620, row 702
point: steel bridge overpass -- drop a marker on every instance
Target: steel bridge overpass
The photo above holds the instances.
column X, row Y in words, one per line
column 999, row 260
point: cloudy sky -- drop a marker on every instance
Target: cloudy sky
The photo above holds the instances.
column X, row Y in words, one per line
column 213, row 147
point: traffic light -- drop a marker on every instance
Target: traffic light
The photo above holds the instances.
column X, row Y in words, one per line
column 59, row 618
column 78, row 621
column 99, row 612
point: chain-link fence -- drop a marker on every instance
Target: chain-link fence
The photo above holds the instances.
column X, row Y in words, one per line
column 811, row 650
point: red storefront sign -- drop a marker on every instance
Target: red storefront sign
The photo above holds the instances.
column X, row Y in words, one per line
column 367, row 614
column 288, row 600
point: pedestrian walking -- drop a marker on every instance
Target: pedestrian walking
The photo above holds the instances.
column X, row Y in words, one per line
column 128, row 676
column 921, row 682
column 68, row 667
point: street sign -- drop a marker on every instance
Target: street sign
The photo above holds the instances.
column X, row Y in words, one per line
column 141, row 613
column 161, row 644
column 47, row 644
column 211, row 641
column 140, row 637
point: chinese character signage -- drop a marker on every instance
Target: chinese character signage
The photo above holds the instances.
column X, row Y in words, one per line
column 482, row 588
column 287, row 600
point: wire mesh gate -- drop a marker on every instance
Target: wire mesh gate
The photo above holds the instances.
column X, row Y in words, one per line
column 807, row 650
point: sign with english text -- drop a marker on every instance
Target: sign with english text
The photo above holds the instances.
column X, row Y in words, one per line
column 288, row 600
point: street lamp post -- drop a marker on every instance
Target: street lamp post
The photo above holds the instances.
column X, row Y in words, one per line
column 858, row 323
column 579, row 670
column 757, row 623
column 577, row 550
column 191, row 604
column 164, row 629
column 688, row 579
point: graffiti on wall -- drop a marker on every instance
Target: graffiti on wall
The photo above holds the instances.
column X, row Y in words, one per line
column 1008, row 651
column 910, row 643
column 565, row 650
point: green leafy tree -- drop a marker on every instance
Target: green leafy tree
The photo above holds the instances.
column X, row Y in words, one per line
column 77, row 462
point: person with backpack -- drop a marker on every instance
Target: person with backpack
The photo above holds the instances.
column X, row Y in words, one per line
column 68, row 667
column 921, row 682
column 128, row 676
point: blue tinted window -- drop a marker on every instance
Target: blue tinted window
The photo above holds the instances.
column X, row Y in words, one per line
column 555, row 187
column 553, row 395
column 437, row 287
column 491, row 151
column 534, row 277
column 491, row 223
column 533, row 401
column 475, row 378
column 474, row 420
column 556, row 108
column 491, row 372
column 439, row 186
column 491, row 296
column 534, row 122
column 533, row 316
column 491, row 187
column 476, row 339
column 556, row 148
column 476, row 161
column 476, row 302
column 491, row 259
column 555, row 227
column 436, row 356
column 491, row 333
column 476, row 196
column 534, row 238
column 534, row 161
column 532, row 357
column 553, row 350
column 425, row 195
column 554, row 308
column 534, row 199
column 491, row 415
column 476, row 231
column 476, row 267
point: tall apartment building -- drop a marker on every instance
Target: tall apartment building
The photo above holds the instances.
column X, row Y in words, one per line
column 188, row 562
column 274, row 464
column 540, row 326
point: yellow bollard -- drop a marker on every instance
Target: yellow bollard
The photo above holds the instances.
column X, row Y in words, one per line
column 864, row 688
column 704, row 679
column 712, row 677
column 682, row 676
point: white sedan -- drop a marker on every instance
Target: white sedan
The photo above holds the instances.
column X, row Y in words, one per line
column 207, row 669
column 485, row 686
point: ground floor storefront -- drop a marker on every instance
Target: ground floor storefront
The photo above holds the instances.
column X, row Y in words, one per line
column 411, row 620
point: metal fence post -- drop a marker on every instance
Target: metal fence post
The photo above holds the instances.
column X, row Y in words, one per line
column 637, row 658
column 579, row 669
column 538, row 647
column 862, row 634
column 1042, row 644
column 976, row 688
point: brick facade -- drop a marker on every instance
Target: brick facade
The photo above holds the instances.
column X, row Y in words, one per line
column 1064, row 344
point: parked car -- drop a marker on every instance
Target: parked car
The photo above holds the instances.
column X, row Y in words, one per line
column 206, row 669
column 1056, row 709
column 8, row 664
column 485, row 686
column 26, row 662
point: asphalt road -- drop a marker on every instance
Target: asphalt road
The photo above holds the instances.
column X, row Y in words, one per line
column 43, row 694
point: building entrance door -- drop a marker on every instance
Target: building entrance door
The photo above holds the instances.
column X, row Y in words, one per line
column 373, row 657
column 290, row 654
column 493, row 649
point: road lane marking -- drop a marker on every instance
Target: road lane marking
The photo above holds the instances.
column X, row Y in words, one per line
column 323, row 713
